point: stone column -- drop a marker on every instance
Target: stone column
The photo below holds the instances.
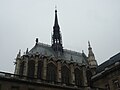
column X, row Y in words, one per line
column 58, row 71
column 72, row 75
column 36, row 67
column 44, row 69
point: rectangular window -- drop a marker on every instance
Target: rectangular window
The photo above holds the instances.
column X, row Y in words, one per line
column 14, row 88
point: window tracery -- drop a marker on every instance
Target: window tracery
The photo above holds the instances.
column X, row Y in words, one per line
column 31, row 68
column 51, row 72
column 40, row 69
column 78, row 77
column 65, row 72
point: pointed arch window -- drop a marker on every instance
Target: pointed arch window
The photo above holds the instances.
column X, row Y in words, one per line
column 65, row 72
column 39, row 70
column 51, row 72
column 21, row 68
column 78, row 77
column 31, row 68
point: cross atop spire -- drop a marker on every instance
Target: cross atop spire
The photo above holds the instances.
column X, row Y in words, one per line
column 55, row 7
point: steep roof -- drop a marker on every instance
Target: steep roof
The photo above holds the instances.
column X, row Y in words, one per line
column 46, row 49
column 111, row 61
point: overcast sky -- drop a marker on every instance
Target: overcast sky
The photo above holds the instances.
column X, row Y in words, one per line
column 21, row 21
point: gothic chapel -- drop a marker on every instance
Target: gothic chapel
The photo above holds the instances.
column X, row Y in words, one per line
column 56, row 65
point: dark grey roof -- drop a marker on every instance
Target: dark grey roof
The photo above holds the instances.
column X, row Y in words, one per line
column 111, row 61
column 45, row 49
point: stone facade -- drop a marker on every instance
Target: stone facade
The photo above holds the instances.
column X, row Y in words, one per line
column 51, row 69
column 108, row 75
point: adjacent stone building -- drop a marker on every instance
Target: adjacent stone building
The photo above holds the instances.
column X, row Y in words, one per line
column 108, row 74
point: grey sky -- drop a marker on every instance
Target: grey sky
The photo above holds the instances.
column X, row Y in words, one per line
column 21, row 21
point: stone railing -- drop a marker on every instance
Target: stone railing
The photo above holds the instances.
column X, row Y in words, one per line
column 41, row 81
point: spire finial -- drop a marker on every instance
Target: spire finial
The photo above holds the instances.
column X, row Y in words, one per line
column 19, row 54
column 36, row 41
column 89, row 43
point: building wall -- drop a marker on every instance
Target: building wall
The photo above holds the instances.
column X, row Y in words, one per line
column 109, row 79
column 43, row 67
column 17, row 84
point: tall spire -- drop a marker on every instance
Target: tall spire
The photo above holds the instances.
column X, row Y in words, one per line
column 56, row 37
